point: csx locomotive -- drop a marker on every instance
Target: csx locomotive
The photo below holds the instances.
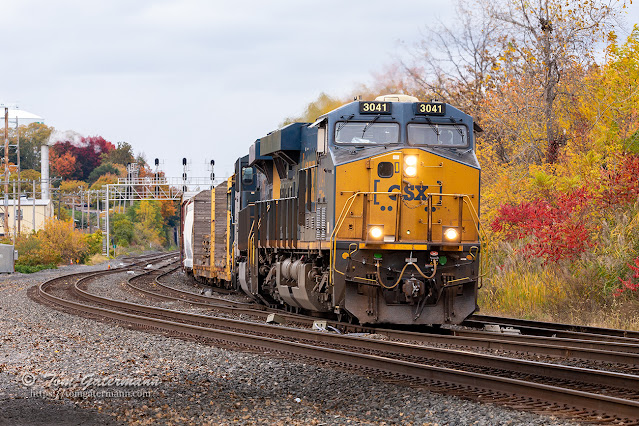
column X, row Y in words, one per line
column 370, row 214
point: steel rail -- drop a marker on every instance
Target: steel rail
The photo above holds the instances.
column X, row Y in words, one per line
column 199, row 297
column 557, row 329
column 622, row 408
column 631, row 348
column 592, row 377
column 260, row 311
column 563, row 348
column 227, row 306
column 566, row 347
column 216, row 301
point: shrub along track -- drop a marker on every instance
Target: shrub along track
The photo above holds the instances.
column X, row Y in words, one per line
column 576, row 392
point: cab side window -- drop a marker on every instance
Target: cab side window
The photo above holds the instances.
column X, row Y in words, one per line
column 247, row 175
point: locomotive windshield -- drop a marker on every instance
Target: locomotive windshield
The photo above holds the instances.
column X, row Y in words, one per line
column 367, row 133
column 445, row 135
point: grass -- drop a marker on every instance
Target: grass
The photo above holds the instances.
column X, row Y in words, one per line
column 30, row 269
column 529, row 294
column 580, row 291
column 96, row 259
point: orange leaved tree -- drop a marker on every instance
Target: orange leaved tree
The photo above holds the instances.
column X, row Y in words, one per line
column 60, row 243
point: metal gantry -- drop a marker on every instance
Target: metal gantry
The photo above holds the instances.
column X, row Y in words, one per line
column 131, row 189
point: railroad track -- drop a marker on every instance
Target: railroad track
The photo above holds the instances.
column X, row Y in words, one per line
column 577, row 392
column 546, row 329
column 150, row 285
column 626, row 356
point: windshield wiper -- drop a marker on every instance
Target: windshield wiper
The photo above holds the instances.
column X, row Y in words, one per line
column 459, row 130
column 369, row 124
column 343, row 123
column 434, row 128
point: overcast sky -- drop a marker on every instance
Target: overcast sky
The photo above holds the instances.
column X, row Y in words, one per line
column 194, row 78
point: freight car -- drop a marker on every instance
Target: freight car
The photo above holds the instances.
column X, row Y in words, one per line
column 369, row 214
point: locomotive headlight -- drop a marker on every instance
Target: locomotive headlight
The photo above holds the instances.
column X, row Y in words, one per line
column 410, row 165
column 451, row 234
column 376, row 232
column 410, row 160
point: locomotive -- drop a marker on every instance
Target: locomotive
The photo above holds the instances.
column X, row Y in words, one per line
column 369, row 214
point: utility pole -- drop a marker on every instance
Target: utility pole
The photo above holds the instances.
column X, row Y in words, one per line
column 81, row 210
column 14, row 211
column 106, row 223
column 6, row 171
column 19, row 182
column 89, row 210
column 33, row 229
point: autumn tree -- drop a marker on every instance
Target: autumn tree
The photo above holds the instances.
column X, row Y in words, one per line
column 323, row 104
column 63, row 164
column 103, row 180
column 86, row 155
column 545, row 41
column 122, row 154
column 611, row 114
column 60, row 242
column 148, row 222
column 104, row 169
column 454, row 63
column 32, row 137
column 30, row 174
column 71, row 186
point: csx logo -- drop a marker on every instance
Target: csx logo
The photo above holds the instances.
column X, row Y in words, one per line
column 411, row 192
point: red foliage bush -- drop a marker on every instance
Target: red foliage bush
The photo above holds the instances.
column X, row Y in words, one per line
column 628, row 284
column 556, row 228
column 559, row 225
column 563, row 225
column 621, row 184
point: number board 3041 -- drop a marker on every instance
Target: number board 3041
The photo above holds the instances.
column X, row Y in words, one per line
column 430, row 108
column 375, row 107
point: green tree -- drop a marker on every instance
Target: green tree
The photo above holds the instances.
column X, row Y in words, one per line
column 101, row 170
column 122, row 229
column 32, row 137
column 123, row 155
column 147, row 216
column 94, row 242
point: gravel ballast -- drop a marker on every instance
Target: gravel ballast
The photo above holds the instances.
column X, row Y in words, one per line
column 175, row 381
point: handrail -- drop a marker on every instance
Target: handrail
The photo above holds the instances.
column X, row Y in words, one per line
column 338, row 226
column 349, row 202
